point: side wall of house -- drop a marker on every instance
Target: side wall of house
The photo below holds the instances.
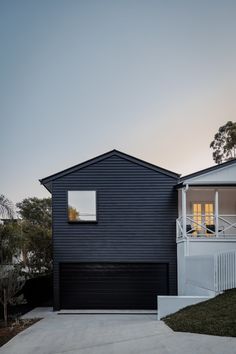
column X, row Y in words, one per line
column 196, row 267
column 136, row 212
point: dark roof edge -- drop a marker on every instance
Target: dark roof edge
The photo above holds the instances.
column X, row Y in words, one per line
column 208, row 169
column 102, row 157
column 147, row 164
column 73, row 168
column 45, row 185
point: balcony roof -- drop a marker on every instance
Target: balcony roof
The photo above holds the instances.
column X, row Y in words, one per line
column 219, row 175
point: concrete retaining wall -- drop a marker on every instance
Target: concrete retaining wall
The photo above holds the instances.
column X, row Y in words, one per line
column 171, row 304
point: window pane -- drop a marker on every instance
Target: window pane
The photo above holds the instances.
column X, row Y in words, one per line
column 197, row 216
column 82, row 205
column 209, row 215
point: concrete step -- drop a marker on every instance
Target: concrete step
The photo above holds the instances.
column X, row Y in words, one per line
column 112, row 312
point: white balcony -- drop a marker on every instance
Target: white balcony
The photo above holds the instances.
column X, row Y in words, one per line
column 204, row 226
column 206, row 212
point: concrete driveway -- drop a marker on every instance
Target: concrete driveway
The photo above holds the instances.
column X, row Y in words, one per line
column 111, row 334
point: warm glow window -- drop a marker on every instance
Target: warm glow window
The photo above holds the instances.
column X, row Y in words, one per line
column 197, row 215
column 203, row 213
column 82, row 206
column 209, row 214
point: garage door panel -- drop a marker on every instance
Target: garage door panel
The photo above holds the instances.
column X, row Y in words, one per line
column 112, row 285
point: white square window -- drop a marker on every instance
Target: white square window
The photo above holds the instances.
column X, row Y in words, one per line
column 82, row 206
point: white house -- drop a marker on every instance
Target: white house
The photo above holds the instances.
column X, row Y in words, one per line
column 205, row 236
column 206, row 231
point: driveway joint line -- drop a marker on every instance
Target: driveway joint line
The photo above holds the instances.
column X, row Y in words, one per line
column 109, row 343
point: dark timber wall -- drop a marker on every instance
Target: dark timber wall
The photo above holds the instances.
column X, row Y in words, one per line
column 136, row 212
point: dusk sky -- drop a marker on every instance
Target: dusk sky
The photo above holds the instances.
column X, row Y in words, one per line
column 154, row 79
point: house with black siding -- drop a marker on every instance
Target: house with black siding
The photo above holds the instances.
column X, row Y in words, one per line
column 114, row 233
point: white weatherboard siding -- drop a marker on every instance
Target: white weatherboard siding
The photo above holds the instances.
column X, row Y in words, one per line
column 210, row 246
column 224, row 175
column 196, row 271
column 200, row 275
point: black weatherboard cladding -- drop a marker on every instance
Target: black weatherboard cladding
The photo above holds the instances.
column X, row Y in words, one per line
column 136, row 212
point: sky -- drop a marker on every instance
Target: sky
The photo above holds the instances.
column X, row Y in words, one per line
column 154, row 79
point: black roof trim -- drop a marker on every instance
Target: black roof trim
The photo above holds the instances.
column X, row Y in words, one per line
column 209, row 169
column 102, row 157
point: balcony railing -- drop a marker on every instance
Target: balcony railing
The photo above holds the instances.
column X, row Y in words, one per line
column 204, row 226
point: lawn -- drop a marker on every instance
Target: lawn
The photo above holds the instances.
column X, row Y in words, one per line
column 14, row 327
column 216, row 316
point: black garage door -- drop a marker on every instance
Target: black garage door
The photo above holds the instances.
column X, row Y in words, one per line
column 112, row 285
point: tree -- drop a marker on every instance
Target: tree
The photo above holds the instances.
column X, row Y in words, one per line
column 6, row 208
column 73, row 214
column 6, row 212
column 224, row 143
column 10, row 241
column 36, row 234
column 11, row 282
column 36, row 211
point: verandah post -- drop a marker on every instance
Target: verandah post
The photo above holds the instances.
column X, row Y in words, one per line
column 184, row 211
column 217, row 213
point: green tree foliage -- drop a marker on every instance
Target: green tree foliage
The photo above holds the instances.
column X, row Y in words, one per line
column 36, row 234
column 10, row 241
column 11, row 282
column 6, row 208
column 29, row 236
column 36, row 211
column 9, row 233
column 224, row 143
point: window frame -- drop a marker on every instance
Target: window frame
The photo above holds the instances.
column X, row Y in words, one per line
column 82, row 221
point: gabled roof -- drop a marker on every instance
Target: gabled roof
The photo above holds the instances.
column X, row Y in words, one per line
column 47, row 180
column 215, row 168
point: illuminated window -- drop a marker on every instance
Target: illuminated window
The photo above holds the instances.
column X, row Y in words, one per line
column 197, row 216
column 203, row 213
column 209, row 214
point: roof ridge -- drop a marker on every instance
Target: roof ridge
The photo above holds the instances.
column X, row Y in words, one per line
column 104, row 156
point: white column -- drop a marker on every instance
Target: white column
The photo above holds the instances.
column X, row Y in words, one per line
column 184, row 211
column 217, row 212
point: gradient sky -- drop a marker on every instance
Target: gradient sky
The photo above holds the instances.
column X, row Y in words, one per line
column 154, row 79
